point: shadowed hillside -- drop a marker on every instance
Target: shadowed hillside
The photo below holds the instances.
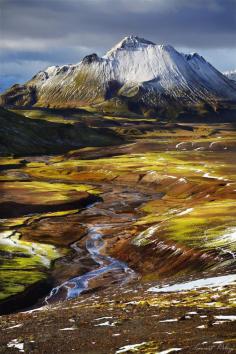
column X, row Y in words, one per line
column 23, row 136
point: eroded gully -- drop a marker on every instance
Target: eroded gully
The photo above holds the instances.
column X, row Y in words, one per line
column 105, row 221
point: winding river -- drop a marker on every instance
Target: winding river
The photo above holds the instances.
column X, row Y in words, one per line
column 77, row 285
column 118, row 210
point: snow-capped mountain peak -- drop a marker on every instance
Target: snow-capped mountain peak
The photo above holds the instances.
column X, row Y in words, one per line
column 130, row 43
column 134, row 70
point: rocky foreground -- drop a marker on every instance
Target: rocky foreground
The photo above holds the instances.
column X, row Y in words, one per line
column 127, row 319
column 133, row 246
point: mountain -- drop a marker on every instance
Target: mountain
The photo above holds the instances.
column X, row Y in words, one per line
column 22, row 136
column 135, row 75
column 230, row 74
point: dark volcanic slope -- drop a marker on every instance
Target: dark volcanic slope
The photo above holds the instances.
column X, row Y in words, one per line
column 22, row 136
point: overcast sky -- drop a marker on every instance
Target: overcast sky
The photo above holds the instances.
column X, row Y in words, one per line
column 37, row 33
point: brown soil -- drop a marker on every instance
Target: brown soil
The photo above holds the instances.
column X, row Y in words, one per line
column 106, row 321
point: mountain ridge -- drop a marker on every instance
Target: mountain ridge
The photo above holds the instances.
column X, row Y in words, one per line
column 136, row 74
column 231, row 74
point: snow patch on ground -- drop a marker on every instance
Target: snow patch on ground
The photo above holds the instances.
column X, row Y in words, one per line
column 196, row 284
column 15, row 343
column 226, row 317
column 106, row 323
column 187, row 211
column 130, row 347
column 16, row 326
column 170, row 350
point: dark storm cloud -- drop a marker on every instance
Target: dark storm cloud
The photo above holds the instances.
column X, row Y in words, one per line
column 182, row 22
column 60, row 31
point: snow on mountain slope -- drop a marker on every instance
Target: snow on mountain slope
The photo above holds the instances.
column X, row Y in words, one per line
column 135, row 69
column 211, row 77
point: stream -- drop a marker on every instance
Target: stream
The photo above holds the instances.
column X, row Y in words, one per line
column 77, row 285
column 118, row 211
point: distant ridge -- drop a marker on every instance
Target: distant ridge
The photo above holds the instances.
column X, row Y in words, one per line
column 230, row 74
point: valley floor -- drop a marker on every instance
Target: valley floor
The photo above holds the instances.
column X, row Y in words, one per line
column 99, row 231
